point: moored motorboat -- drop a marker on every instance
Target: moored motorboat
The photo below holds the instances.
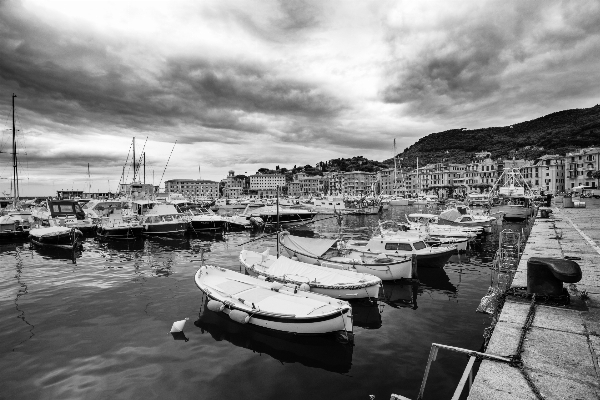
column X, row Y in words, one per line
column 332, row 253
column 11, row 229
column 164, row 220
column 336, row 283
column 66, row 212
column 272, row 215
column 462, row 216
column 391, row 229
column 118, row 228
column 272, row 305
column 203, row 220
column 59, row 237
column 427, row 256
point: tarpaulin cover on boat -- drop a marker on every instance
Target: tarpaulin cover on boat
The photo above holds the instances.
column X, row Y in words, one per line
column 299, row 271
column 316, row 247
column 450, row 215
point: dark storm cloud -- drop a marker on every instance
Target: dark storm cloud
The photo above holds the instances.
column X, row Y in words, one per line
column 504, row 54
column 79, row 79
column 250, row 88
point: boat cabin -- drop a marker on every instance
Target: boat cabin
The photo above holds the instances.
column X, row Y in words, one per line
column 391, row 245
column 65, row 208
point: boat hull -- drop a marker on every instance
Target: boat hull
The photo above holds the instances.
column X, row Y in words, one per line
column 340, row 319
column 120, row 233
column 514, row 213
column 207, row 226
column 166, row 229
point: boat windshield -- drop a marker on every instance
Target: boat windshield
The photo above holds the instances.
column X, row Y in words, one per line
column 419, row 245
column 398, row 246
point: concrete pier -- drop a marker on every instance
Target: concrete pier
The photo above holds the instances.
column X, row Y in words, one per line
column 561, row 348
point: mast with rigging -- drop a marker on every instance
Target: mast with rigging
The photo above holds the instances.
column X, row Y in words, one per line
column 14, row 156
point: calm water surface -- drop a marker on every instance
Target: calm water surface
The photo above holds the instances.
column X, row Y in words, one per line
column 99, row 328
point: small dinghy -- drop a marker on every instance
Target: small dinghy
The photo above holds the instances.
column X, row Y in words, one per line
column 58, row 237
column 331, row 282
column 272, row 305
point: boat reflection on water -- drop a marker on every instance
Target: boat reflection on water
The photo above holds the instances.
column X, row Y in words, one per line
column 401, row 293
column 459, row 258
column 57, row 253
column 166, row 243
column 323, row 352
column 366, row 313
column 121, row 245
column 436, row 279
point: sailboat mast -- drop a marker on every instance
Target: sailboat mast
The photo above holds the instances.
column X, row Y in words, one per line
column 418, row 180
column 395, row 170
column 14, row 154
column 134, row 159
column 144, row 168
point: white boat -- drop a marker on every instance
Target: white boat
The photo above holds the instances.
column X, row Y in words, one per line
column 427, row 256
column 163, row 220
column 67, row 213
column 426, row 199
column 462, row 216
column 477, row 200
column 429, row 223
column 272, row 305
column 332, row 253
column 512, row 196
column 401, row 201
column 336, row 283
column 337, row 204
column 391, row 229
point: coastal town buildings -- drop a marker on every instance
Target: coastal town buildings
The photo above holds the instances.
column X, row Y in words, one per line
column 580, row 166
column 265, row 185
column 193, row 187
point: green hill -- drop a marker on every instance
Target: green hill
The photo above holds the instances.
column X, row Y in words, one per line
column 556, row 133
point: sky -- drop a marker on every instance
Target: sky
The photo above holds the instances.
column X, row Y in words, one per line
column 219, row 85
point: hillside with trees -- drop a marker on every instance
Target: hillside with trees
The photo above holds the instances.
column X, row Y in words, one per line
column 556, row 133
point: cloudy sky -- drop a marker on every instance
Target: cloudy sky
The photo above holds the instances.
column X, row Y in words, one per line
column 247, row 84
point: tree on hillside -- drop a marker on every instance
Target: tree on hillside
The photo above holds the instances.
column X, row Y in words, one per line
column 596, row 176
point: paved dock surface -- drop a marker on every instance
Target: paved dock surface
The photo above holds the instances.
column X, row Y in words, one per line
column 561, row 348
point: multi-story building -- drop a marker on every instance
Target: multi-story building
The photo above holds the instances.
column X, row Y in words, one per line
column 294, row 188
column 546, row 174
column 579, row 167
column 357, row 183
column 392, row 182
column 265, row 185
column 311, row 185
column 193, row 187
column 233, row 187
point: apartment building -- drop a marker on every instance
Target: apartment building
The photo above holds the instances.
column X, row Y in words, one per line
column 193, row 187
column 579, row 167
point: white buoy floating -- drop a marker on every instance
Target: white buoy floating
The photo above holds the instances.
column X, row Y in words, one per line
column 178, row 326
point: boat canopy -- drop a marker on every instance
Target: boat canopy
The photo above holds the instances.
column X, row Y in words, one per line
column 310, row 246
column 451, row 215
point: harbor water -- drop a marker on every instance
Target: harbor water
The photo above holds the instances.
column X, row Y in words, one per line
column 97, row 327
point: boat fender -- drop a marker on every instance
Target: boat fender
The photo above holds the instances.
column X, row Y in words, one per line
column 305, row 287
column 276, row 286
column 239, row 316
column 215, row 306
column 294, row 258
